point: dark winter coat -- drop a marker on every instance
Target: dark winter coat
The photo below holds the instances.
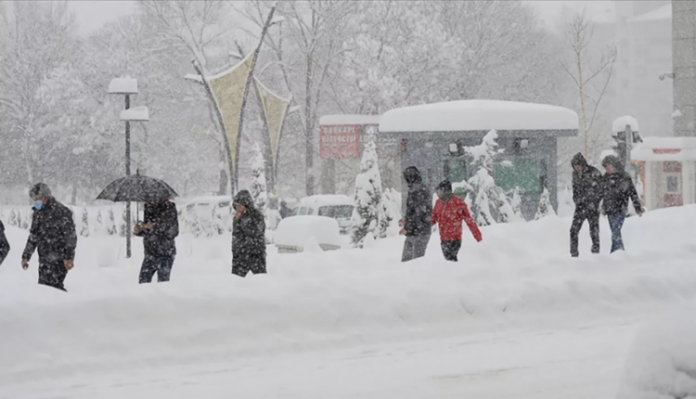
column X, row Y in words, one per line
column 285, row 212
column 618, row 188
column 249, row 238
column 587, row 185
column 160, row 241
column 419, row 205
column 53, row 232
column 4, row 245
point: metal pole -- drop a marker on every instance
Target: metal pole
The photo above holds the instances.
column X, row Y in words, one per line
column 128, row 172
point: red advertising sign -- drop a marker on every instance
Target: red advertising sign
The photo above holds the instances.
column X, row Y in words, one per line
column 339, row 141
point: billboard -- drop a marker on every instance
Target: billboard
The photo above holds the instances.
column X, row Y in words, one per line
column 339, row 141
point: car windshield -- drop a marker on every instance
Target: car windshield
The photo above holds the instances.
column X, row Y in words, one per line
column 337, row 211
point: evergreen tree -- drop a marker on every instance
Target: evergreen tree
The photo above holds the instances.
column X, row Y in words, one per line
column 369, row 214
column 545, row 208
column 490, row 204
column 13, row 218
column 259, row 191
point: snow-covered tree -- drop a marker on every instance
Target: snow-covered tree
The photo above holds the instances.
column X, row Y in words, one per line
column 259, row 190
column 545, row 208
column 84, row 225
column 368, row 215
column 490, row 204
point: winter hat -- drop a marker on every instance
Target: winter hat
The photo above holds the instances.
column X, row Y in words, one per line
column 244, row 198
column 613, row 161
column 445, row 186
column 578, row 159
column 412, row 175
column 40, row 190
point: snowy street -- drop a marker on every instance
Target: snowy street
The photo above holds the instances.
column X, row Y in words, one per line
column 582, row 362
column 516, row 317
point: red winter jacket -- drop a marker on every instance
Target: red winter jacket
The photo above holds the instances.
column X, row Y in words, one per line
column 450, row 216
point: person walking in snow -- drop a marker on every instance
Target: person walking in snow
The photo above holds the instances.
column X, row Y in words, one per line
column 587, row 193
column 617, row 189
column 416, row 224
column 159, row 229
column 4, row 245
column 285, row 212
column 249, row 237
column 449, row 212
column 53, row 233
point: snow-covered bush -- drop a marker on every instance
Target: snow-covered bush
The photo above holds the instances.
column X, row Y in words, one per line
column 516, row 204
column 368, row 215
column 545, row 208
column 259, row 190
column 14, row 218
column 84, row 223
column 490, row 204
column 111, row 223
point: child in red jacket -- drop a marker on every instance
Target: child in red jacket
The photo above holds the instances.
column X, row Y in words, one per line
column 449, row 212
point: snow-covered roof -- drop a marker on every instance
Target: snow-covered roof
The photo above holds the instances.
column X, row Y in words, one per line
column 620, row 124
column 659, row 149
column 136, row 114
column 476, row 115
column 661, row 14
column 330, row 120
column 326, row 199
column 123, row 86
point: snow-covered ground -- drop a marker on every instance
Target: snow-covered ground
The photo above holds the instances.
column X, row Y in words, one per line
column 515, row 318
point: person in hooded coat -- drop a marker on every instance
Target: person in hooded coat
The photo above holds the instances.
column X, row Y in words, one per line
column 618, row 189
column 53, row 233
column 249, row 237
column 416, row 225
column 159, row 229
column 587, row 194
column 449, row 212
column 4, row 245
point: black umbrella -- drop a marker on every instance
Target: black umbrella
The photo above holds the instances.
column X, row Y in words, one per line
column 137, row 188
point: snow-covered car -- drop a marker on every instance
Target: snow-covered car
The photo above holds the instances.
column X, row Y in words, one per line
column 216, row 210
column 339, row 207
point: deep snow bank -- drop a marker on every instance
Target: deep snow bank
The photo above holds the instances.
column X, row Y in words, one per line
column 520, row 275
column 662, row 364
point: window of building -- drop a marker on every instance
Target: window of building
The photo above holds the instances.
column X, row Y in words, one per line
column 526, row 173
column 673, row 184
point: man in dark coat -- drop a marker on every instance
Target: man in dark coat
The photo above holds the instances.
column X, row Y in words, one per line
column 249, row 237
column 159, row 230
column 4, row 245
column 587, row 193
column 416, row 225
column 618, row 188
column 53, row 232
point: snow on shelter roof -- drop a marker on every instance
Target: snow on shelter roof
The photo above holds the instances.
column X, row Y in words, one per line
column 476, row 115
column 660, row 149
column 330, row 120
column 661, row 14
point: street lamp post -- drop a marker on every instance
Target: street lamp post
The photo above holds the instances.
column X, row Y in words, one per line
column 127, row 87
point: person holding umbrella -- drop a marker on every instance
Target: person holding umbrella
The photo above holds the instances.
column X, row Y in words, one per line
column 160, row 225
column 159, row 229
column 53, row 232
column 248, row 237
